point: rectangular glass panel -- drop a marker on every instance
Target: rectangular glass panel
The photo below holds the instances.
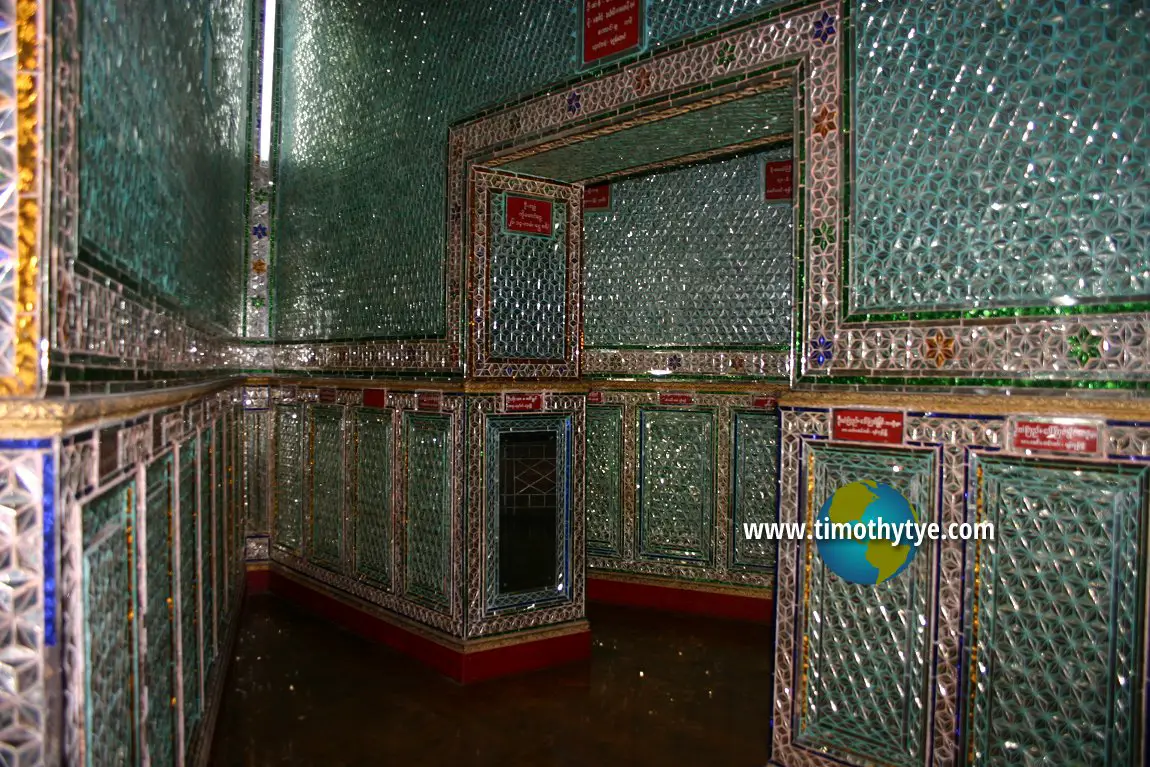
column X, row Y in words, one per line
column 528, row 503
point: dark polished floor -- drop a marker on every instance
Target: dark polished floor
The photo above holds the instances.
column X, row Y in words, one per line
column 659, row 690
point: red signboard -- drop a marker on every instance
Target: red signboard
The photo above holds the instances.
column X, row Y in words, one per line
column 597, row 197
column 676, row 398
column 528, row 215
column 522, row 403
column 1060, row 437
column 429, row 400
column 778, row 180
column 595, row 398
column 375, row 398
column 327, row 396
column 763, row 401
column 610, row 28
column 868, row 426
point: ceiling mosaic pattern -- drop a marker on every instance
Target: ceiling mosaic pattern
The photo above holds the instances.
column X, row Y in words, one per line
column 368, row 94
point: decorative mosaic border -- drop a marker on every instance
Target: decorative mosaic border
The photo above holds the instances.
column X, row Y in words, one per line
column 27, row 540
column 481, row 550
column 957, row 436
column 482, row 363
column 721, row 571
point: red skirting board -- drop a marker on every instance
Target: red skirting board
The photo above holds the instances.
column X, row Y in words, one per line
column 714, row 604
column 473, row 664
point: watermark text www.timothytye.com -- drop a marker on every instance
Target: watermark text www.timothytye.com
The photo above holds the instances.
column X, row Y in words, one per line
column 913, row 533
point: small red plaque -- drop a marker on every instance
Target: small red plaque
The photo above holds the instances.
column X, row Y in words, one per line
column 676, row 398
column 528, row 215
column 779, row 180
column 611, row 28
column 1059, row 437
column 868, row 426
column 597, row 197
column 327, row 396
column 522, row 403
column 429, row 400
column 763, row 401
column 375, row 398
column 595, row 398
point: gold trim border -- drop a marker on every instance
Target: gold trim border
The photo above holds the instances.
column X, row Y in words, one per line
column 30, row 84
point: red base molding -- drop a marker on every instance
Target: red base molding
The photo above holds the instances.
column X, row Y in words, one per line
column 714, row 604
column 259, row 581
column 465, row 667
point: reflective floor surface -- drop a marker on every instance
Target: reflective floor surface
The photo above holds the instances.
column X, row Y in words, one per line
column 659, row 690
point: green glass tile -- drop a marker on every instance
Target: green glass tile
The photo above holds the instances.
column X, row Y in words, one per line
column 1015, row 173
column 256, row 468
column 428, row 487
column 327, row 486
column 604, row 495
column 373, row 526
column 864, row 688
column 1058, row 650
column 163, row 146
column 691, row 257
column 676, row 485
column 159, row 656
column 342, row 133
column 110, row 642
column 287, row 526
column 756, row 477
column 205, row 542
column 189, row 590
column 528, row 288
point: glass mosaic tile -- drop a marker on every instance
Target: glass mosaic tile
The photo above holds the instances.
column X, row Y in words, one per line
column 676, row 485
column 1059, row 599
column 110, row 631
column 189, row 591
column 287, row 525
column 373, row 527
column 163, row 147
column 1016, row 170
column 603, row 507
column 343, row 131
column 218, row 559
column 756, row 478
column 256, row 458
column 428, row 489
column 691, row 257
column 327, row 486
column 528, row 287
column 858, row 695
column 206, row 551
column 159, row 656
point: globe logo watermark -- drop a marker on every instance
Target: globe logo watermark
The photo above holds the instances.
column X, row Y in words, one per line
column 868, row 524
column 867, row 532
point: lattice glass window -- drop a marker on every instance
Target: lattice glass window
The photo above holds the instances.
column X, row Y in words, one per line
column 528, row 524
